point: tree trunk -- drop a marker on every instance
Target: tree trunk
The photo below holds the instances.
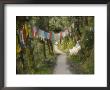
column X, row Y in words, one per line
column 51, row 47
column 48, row 43
column 44, row 49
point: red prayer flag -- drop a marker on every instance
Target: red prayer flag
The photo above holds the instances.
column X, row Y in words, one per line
column 60, row 36
column 50, row 35
column 34, row 31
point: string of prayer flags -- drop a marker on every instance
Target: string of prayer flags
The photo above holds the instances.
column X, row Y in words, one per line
column 49, row 35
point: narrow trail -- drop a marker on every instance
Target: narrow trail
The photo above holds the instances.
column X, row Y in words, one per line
column 61, row 64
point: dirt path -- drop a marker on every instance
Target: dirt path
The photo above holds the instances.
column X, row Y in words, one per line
column 61, row 64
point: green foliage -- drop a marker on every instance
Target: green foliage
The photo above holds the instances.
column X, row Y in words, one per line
column 88, row 65
column 59, row 23
column 84, row 61
column 35, row 62
column 66, row 44
column 32, row 60
column 37, row 57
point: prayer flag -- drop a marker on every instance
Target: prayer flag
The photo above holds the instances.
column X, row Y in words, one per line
column 50, row 35
column 34, row 31
column 60, row 36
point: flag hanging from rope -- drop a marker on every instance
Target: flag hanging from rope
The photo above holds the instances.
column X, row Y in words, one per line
column 60, row 36
column 50, row 35
column 34, row 31
column 22, row 43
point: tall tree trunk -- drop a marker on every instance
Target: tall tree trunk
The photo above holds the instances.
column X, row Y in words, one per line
column 51, row 47
column 44, row 49
column 48, row 43
column 78, row 29
column 86, row 19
